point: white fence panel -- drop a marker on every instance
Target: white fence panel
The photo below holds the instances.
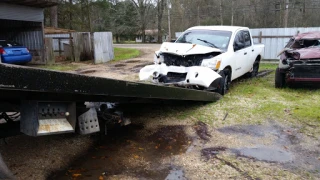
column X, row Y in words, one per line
column 273, row 43
column 103, row 47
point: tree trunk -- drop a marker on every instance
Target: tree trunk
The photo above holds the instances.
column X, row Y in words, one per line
column 161, row 4
column 54, row 16
column 286, row 14
column 221, row 11
column 70, row 14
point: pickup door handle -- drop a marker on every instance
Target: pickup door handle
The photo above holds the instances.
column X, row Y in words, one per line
column 252, row 50
column 245, row 53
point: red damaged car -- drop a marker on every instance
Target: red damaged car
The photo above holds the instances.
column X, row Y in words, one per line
column 300, row 61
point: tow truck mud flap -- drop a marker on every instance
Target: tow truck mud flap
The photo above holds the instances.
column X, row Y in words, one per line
column 195, row 75
column 5, row 173
column 46, row 118
column 88, row 122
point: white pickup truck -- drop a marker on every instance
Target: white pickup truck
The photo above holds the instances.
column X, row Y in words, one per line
column 206, row 58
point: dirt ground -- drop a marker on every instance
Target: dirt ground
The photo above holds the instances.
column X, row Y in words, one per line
column 122, row 70
column 161, row 145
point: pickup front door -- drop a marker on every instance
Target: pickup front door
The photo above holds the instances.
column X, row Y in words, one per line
column 242, row 53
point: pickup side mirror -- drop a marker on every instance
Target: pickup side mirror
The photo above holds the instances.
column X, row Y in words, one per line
column 173, row 40
column 238, row 45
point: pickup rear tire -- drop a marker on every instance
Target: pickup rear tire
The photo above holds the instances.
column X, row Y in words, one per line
column 255, row 69
column 279, row 79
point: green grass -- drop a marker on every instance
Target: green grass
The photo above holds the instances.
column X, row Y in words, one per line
column 125, row 53
column 60, row 67
column 255, row 101
column 267, row 66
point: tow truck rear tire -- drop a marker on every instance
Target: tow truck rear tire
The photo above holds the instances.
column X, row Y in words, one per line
column 279, row 79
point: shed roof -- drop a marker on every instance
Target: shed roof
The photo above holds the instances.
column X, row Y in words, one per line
column 33, row 3
column 52, row 30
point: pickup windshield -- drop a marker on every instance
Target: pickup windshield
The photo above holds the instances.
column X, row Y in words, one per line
column 210, row 38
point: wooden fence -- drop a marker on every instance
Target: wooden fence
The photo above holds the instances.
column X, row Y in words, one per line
column 80, row 46
column 103, row 47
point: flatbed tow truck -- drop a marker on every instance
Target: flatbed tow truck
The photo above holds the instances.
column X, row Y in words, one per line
column 48, row 102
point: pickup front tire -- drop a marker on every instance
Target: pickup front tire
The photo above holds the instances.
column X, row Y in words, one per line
column 223, row 86
column 279, row 79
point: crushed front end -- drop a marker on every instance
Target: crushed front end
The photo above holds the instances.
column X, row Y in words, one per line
column 303, row 71
column 299, row 68
column 183, row 66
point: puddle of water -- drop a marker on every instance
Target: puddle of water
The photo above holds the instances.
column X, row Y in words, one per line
column 126, row 152
column 137, row 68
column 209, row 153
column 176, row 174
column 120, row 65
column 132, row 61
column 265, row 154
column 87, row 71
column 170, row 140
column 287, row 146
column 251, row 130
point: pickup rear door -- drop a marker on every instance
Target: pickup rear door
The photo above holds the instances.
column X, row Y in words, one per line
column 242, row 46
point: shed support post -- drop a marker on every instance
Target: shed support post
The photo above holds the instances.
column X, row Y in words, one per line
column 260, row 37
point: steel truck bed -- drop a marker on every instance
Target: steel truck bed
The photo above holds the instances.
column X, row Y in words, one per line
column 17, row 82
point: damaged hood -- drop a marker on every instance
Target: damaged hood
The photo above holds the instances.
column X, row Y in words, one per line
column 184, row 49
column 308, row 36
column 307, row 53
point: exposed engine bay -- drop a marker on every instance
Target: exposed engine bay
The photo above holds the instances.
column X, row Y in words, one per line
column 184, row 65
column 186, row 61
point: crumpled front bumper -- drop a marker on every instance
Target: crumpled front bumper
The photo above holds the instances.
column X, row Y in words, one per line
column 304, row 73
column 184, row 76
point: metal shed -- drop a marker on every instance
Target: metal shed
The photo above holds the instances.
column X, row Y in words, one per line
column 22, row 21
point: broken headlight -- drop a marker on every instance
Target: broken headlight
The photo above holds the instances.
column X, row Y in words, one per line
column 158, row 58
column 211, row 63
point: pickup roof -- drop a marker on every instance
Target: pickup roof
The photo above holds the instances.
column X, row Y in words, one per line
column 206, row 58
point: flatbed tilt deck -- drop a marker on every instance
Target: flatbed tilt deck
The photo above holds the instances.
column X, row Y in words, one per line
column 39, row 102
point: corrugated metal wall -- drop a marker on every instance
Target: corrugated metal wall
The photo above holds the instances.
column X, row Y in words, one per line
column 56, row 41
column 29, row 34
column 22, row 13
column 274, row 45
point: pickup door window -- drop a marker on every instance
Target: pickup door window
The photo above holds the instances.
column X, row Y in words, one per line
column 242, row 53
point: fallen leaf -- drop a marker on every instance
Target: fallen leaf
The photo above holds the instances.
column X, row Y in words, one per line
column 141, row 148
column 103, row 157
column 136, row 156
column 101, row 178
column 76, row 175
column 103, row 147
